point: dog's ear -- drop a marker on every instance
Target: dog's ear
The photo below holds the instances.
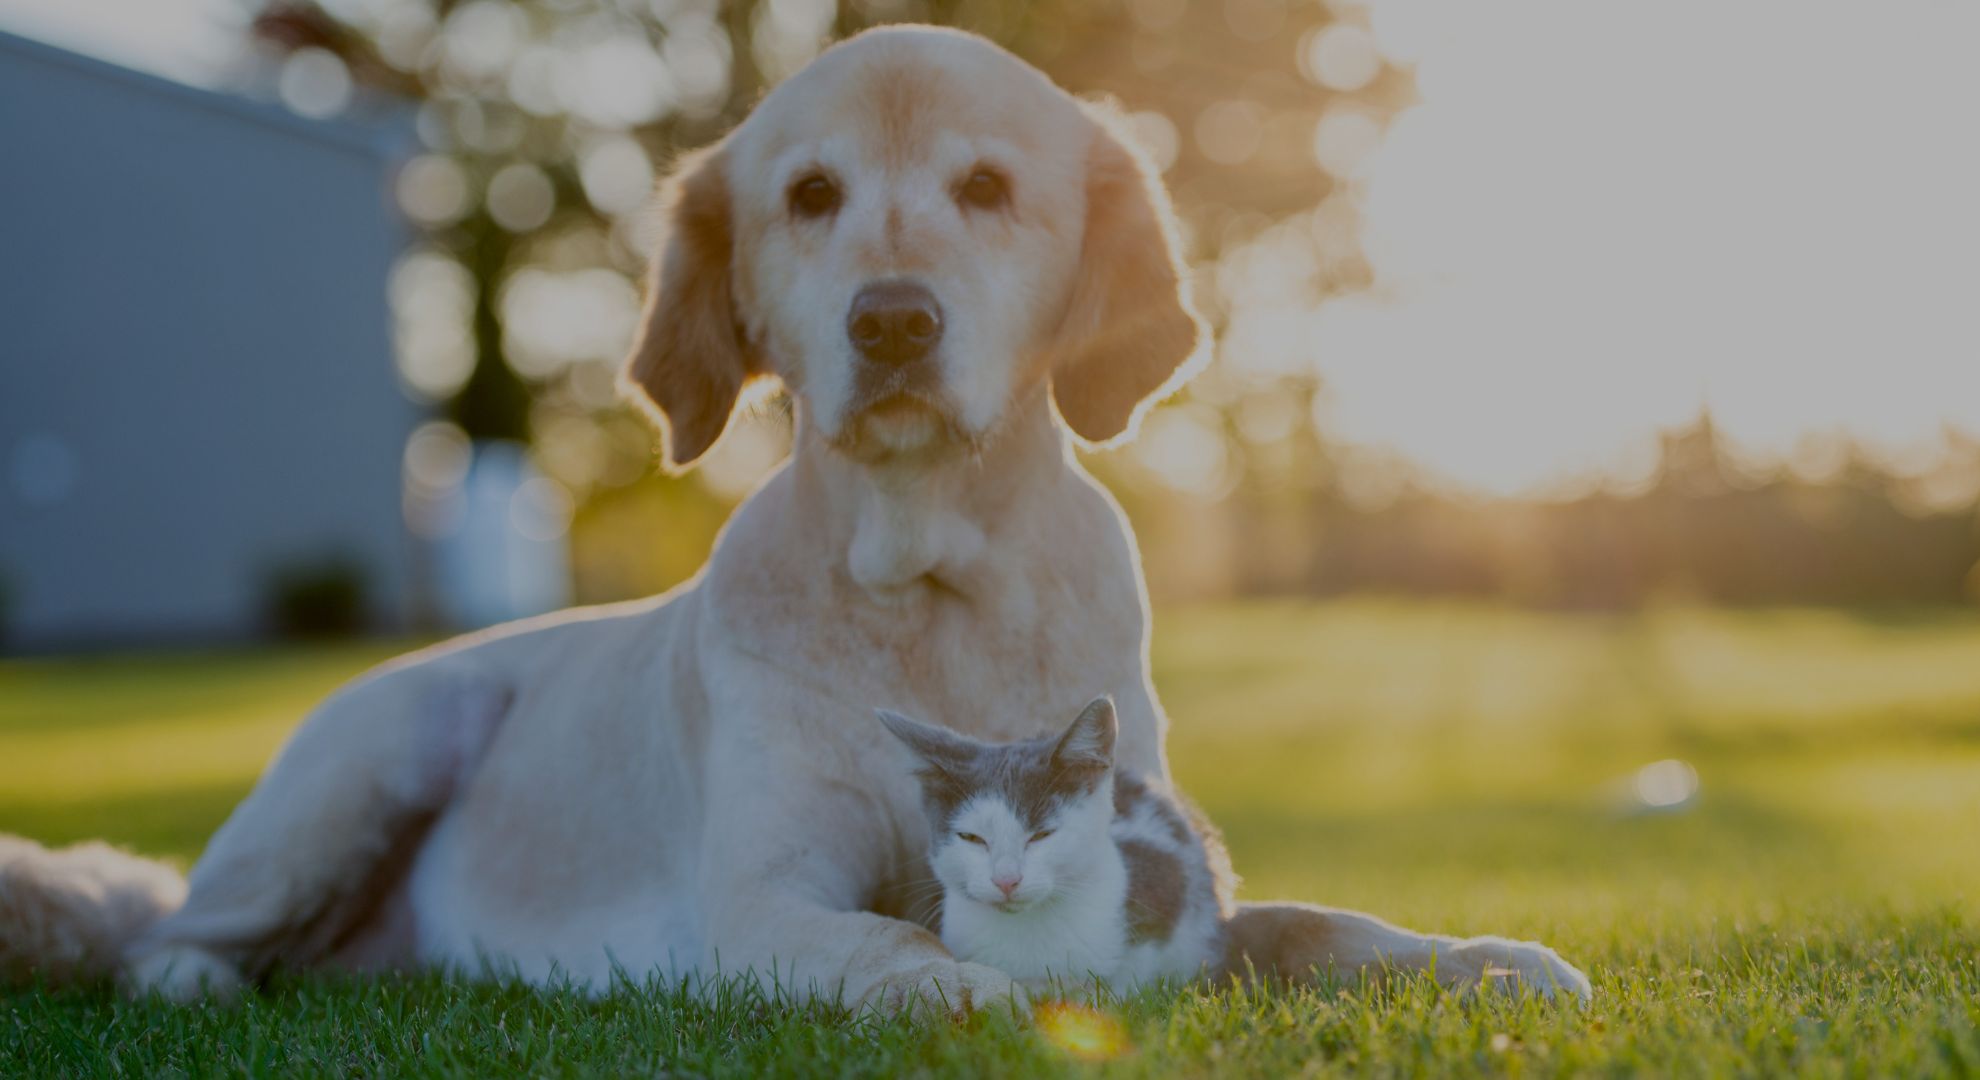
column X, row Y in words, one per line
column 1129, row 335
column 690, row 361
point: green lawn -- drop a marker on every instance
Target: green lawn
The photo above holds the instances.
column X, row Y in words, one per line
column 1816, row 909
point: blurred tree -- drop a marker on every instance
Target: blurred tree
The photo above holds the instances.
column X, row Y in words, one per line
column 544, row 123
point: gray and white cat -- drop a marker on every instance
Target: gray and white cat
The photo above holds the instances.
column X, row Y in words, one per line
column 1055, row 865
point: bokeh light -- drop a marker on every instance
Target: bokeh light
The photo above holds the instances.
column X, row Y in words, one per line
column 1080, row 1031
column 315, row 83
column 698, row 55
column 433, row 190
column 1341, row 57
column 617, row 81
column 1229, row 132
column 789, row 33
column 432, row 305
column 1344, row 139
column 521, row 197
column 551, row 320
column 1666, row 785
column 1184, row 446
column 479, row 39
column 616, row 173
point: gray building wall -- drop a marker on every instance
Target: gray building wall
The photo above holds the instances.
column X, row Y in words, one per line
column 196, row 376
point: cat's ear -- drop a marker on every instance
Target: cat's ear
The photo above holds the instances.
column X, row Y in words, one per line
column 931, row 744
column 1089, row 742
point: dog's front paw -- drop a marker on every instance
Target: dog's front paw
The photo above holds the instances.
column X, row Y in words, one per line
column 944, row 988
column 183, row 974
column 1488, row 962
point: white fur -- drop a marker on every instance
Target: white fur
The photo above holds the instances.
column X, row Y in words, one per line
column 65, row 916
column 1070, row 927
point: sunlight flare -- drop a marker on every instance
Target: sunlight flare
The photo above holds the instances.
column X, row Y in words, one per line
column 1574, row 248
column 1081, row 1031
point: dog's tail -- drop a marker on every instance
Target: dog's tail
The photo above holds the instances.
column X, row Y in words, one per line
column 67, row 916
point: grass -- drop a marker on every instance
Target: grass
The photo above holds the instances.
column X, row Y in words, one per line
column 1815, row 910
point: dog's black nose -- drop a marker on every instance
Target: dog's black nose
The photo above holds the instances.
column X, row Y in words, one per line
column 894, row 322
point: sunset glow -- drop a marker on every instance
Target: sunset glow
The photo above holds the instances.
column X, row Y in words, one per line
column 1601, row 219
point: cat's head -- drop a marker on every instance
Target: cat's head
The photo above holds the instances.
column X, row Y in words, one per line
column 1013, row 824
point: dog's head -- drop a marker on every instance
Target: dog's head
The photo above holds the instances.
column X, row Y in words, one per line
column 913, row 233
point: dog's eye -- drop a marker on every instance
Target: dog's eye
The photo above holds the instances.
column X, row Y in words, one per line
column 985, row 189
column 1040, row 835
column 972, row 838
column 814, row 196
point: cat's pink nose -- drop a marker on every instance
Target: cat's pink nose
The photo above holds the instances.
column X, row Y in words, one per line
column 1007, row 883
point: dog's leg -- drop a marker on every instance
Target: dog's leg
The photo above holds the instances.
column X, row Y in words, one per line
column 1300, row 941
column 297, row 862
column 786, row 939
column 787, row 876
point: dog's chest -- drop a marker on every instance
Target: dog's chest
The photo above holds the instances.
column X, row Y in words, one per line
column 995, row 664
column 995, row 671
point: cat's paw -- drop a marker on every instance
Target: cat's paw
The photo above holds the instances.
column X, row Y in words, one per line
column 1492, row 962
column 945, row 989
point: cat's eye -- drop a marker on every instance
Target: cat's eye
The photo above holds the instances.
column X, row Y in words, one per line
column 984, row 189
column 970, row 837
column 814, row 195
column 1041, row 834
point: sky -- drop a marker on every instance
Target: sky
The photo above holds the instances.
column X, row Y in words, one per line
column 1598, row 219
column 1602, row 217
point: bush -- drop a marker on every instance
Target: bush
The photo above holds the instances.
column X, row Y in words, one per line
column 320, row 598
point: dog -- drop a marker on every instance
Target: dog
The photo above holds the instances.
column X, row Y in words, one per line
column 955, row 269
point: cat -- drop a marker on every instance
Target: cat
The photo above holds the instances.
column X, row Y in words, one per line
column 1057, row 866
